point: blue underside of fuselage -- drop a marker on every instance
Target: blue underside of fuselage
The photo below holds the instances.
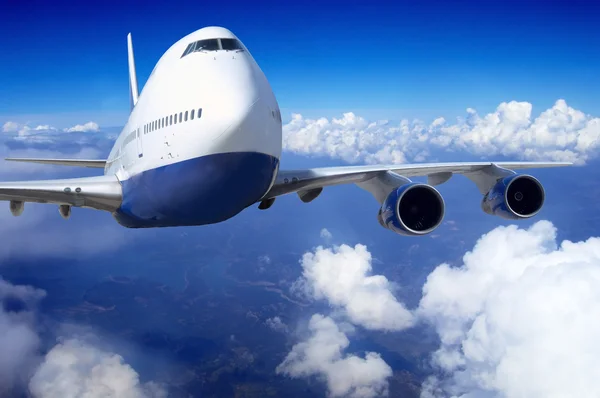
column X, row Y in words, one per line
column 203, row 190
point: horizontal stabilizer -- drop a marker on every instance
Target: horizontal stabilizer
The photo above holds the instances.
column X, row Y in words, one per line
column 96, row 164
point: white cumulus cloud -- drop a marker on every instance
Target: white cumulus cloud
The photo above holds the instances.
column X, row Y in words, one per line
column 520, row 317
column 265, row 259
column 322, row 355
column 560, row 133
column 24, row 130
column 276, row 324
column 10, row 127
column 341, row 275
column 87, row 127
column 74, row 369
column 325, row 234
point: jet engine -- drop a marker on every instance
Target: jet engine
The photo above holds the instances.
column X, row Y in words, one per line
column 514, row 197
column 412, row 209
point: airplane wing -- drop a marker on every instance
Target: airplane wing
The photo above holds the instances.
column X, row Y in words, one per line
column 97, row 164
column 100, row 193
column 309, row 183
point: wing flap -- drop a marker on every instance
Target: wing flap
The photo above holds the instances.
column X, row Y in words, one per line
column 100, row 193
column 289, row 181
column 92, row 163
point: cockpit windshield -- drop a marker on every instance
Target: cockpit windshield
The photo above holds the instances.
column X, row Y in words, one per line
column 213, row 45
column 230, row 44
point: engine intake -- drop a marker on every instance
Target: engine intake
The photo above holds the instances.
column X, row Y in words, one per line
column 412, row 209
column 514, row 197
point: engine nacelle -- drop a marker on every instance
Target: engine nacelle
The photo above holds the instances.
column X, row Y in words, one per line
column 412, row 209
column 17, row 207
column 65, row 211
column 514, row 197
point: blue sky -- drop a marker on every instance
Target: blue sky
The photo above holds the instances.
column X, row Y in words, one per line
column 66, row 64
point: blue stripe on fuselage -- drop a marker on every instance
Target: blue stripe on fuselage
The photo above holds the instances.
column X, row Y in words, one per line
column 198, row 191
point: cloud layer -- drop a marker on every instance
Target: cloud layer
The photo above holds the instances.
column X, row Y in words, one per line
column 560, row 133
column 25, row 129
column 322, row 355
column 519, row 318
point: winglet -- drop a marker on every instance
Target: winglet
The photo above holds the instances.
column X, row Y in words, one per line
column 133, row 87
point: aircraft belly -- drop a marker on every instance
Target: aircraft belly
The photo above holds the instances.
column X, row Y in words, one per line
column 197, row 191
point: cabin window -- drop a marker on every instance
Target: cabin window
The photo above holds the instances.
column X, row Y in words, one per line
column 192, row 114
column 185, row 116
column 170, row 120
column 163, row 122
column 199, row 113
column 175, row 118
column 180, row 117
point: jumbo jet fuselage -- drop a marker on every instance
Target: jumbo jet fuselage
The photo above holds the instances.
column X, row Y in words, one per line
column 204, row 139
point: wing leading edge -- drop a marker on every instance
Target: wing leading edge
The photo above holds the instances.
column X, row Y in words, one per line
column 310, row 182
column 100, row 193
column 92, row 163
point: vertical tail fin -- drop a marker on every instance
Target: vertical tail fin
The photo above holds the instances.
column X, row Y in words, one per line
column 133, row 87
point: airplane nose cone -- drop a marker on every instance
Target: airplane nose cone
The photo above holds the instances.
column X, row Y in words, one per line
column 234, row 91
column 246, row 122
column 240, row 113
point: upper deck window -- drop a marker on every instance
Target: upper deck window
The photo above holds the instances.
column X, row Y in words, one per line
column 213, row 45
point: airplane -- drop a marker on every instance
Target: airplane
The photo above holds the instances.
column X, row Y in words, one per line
column 203, row 141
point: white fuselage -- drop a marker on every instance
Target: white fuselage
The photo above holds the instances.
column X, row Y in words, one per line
column 199, row 106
